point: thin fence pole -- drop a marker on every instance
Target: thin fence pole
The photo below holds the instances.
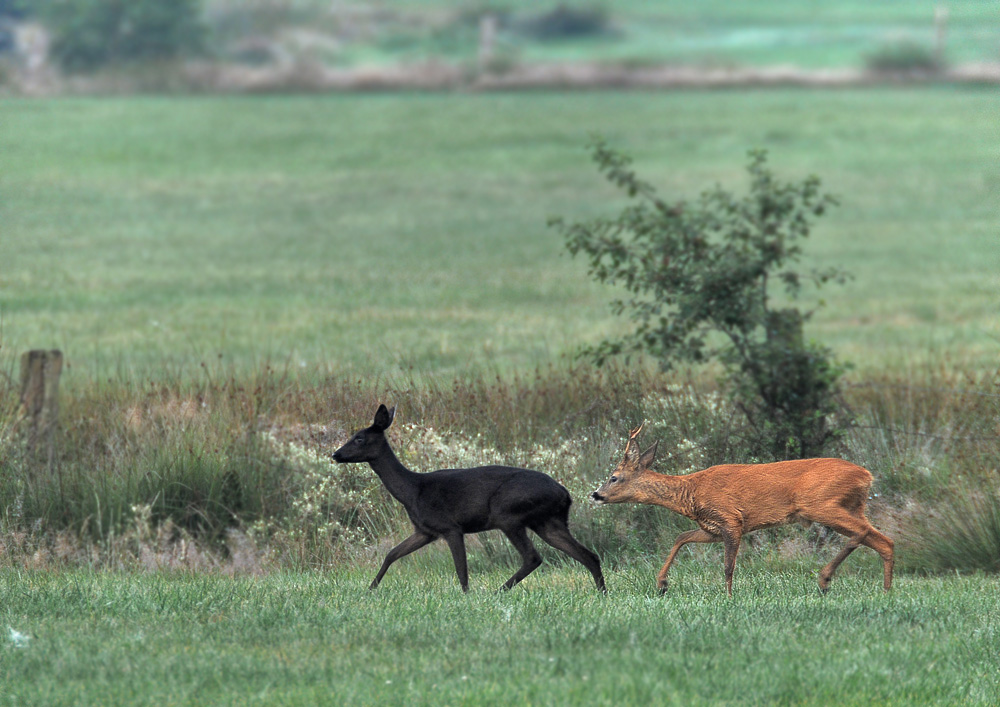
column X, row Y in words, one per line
column 40, row 371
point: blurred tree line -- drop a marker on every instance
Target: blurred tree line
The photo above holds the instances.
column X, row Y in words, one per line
column 91, row 34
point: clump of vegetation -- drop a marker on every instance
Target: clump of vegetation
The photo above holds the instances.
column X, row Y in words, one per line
column 702, row 278
column 92, row 34
column 566, row 22
column 904, row 57
column 960, row 533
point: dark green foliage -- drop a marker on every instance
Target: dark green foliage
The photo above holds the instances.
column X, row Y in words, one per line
column 13, row 9
column 565, row 22
column 9, row 10
column 904, row 57
column 787, row 389
column 90, row 34
column 697, row 270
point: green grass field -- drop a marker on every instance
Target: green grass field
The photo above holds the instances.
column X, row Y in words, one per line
column 395, row 246
column 385, row 234
column 322, row 638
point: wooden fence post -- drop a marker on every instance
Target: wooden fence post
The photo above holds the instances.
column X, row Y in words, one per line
column 487, row 42
column 940, row 33
column 40, row 372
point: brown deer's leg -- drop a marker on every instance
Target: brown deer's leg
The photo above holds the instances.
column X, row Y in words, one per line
column 731, row 539
column 456, row 543
column 826, row 574
column 530, row 558
column 883, row 545
column 557, row 534
column 691, row 536
column 414, row 542
column 859, row 532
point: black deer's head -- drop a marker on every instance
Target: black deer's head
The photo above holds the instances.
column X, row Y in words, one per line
column 366, row 445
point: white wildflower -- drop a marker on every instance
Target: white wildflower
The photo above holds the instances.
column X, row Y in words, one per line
column 17, row 639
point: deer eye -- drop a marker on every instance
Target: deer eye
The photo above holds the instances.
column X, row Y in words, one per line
column 356, row 440
column 613, row 479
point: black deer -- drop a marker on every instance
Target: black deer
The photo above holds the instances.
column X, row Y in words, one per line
column 452, row 502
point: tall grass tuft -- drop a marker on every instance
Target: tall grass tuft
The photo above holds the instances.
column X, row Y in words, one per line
column 961, row 533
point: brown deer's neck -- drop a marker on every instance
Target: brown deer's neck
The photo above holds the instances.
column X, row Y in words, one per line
column 673, row 492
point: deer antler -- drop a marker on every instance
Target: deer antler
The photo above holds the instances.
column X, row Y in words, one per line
column 632, row 436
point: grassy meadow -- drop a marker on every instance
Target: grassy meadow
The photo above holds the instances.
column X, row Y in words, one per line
column 236, row 282
column 394, row 233
column 308, row 638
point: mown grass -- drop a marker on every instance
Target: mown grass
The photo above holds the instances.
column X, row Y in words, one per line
column 398, row 235
column 307, row 638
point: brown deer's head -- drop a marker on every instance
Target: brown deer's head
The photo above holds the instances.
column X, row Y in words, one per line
column 632, row 465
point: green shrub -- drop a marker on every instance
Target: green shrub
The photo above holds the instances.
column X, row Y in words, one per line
column 90, row 34
column 565, row 22
column 13, row 9
column 904, row 57
column 697, row 273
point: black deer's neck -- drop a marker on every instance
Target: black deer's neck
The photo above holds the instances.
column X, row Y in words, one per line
column 400, row 481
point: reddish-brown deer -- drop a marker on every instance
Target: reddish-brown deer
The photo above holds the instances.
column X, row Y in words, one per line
column 731, row 500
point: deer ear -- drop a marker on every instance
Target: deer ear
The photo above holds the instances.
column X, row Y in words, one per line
column 646, row 460
column 383, row 417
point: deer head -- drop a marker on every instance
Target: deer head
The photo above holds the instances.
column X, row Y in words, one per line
column 633, row 464
column 367, row 444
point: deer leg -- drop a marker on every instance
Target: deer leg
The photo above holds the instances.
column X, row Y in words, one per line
column 731, row 540
column 859, row 532
column 883, row 545
column 414, row 542
column 691, row 536
column 558, row 536
column 826, row 574
column 456, row 543
column 530, row 559
column 870, row 538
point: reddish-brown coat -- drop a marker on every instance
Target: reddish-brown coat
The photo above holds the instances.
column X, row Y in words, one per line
column 730, row 500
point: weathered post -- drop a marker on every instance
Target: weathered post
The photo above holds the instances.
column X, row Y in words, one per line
column 40, row 372
column 940, row 34
column 487, row 42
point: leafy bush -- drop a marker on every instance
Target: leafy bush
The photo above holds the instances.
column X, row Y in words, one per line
column 698, row 271
column 904, row 57
column 90, row 34
column 14, row 9
column 564, row 22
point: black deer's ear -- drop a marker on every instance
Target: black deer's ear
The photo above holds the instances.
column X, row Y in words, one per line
column 383, row 417
column 646, row 460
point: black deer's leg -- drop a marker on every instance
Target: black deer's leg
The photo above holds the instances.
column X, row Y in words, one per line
column 456, row 543
column 414, row 542
column 557, row 534
column 530, row 559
